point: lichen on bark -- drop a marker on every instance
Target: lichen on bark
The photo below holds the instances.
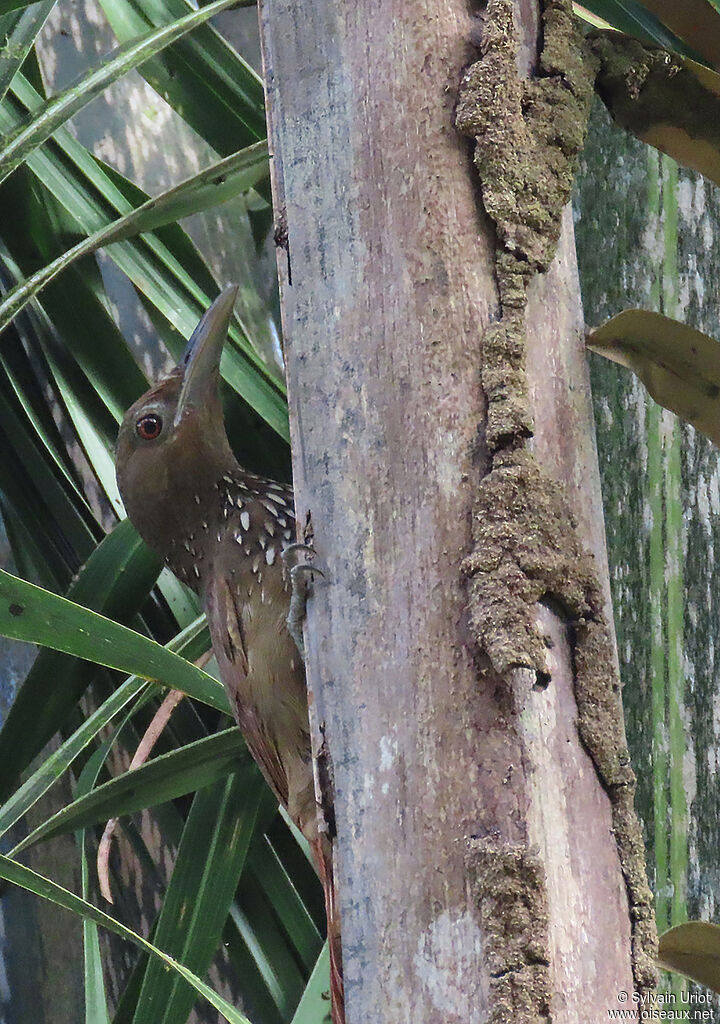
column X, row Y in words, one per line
column 511, row 897
column 528, row 136
column 529, row 131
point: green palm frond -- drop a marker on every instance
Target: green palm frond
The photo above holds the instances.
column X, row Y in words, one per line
column 67, row 373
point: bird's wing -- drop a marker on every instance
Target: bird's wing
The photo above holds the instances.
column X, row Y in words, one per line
column 263, row 750
column 226, row 630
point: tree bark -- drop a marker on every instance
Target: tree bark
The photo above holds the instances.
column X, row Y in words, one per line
column 480, row 876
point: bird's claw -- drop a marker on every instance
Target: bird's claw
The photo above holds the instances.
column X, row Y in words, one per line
column 290, row 553
column 300, row 575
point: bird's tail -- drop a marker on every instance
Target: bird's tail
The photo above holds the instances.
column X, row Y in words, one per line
column 324, row 860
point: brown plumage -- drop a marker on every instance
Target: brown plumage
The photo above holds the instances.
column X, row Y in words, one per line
column 222, row 530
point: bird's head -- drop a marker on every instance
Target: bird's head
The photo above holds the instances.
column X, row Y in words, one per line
column 172, row 447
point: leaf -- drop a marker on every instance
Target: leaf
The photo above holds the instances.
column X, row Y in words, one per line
column 313, row 1007
column 95, row 1000
column 192, row 641
column 49, row 486
column 693, row 949
column 270, row 875
column 163, row 778
column 32, row 556
column 115, row 579
column 18, row 31
column 32, row 614
column 257, row 999
column 678, row 365
column 99, row 451
column 202, row 77
column 268, row 945
column 31, row 420
column 694, row 21
column 18, row 145
column 596, row 20
column 60, row 760
column 10, row 7
column 222, row 821
column 31, row 881
column 89, row 194
column 94, row 343
column 671, row 103
column 634, row 19
column 209, row 188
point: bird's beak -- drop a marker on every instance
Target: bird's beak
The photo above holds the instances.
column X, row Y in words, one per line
column 202, row 355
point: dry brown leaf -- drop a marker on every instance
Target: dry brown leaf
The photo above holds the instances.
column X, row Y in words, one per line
column 670, row 102
column 696, row 22
column 678, row 365
column 693, row 949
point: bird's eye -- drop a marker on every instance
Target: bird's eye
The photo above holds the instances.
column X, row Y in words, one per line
column 149, row 427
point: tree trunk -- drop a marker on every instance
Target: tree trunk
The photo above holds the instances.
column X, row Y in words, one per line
column 462, row 673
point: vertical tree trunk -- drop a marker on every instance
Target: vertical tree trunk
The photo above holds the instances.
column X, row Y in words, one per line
column 469, row 733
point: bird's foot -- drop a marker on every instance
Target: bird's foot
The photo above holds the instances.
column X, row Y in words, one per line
column 300, row 573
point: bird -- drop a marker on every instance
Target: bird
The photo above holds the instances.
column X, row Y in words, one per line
column 226, row 533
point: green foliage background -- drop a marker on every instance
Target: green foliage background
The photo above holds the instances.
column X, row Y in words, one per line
column 242, row 895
